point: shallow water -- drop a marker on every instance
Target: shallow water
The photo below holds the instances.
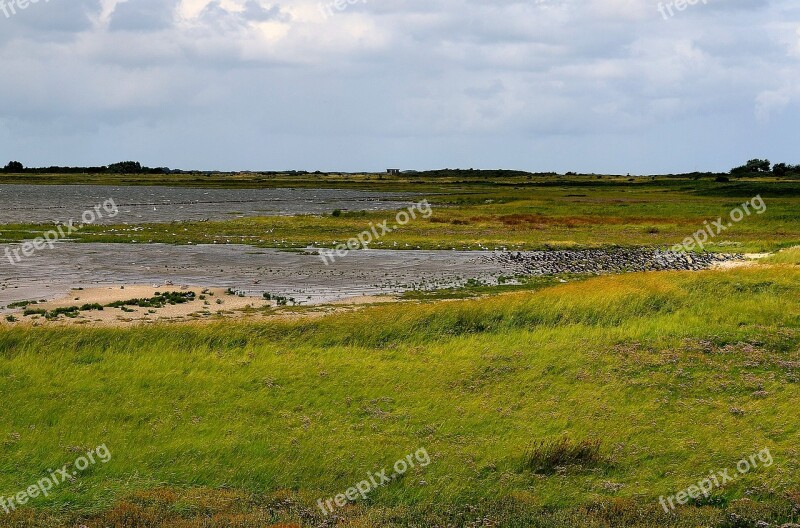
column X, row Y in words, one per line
column 51, row 273
column 303, row 275
column 35, row 204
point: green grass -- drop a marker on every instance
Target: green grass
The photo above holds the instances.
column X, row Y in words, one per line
column 787, row 256
column 549, row 456
column 673, row 375
column 574, row 404
column 473, row 288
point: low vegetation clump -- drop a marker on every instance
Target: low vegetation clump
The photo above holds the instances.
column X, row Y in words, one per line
column 69, row 311
column 159, row 300
column 21, row 304
column 548, row 456
column 279, row 299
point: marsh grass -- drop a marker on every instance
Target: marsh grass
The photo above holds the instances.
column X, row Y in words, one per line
column 548, row 456
column 651, row 365
column 789, row 256
column 209, row 508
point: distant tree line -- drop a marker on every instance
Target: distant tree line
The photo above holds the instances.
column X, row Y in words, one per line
column 753, row 167
column 764, row 167
column 123, row 167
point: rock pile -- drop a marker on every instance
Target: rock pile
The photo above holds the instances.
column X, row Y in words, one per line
column 602, row 261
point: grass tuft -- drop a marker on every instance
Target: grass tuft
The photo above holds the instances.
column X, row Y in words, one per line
column 549, row 456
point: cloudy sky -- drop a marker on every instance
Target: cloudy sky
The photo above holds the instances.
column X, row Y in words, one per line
column 582, row 85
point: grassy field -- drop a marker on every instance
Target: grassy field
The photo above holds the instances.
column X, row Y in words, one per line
column 541, row 404
column 516, row 212
column 674, row 374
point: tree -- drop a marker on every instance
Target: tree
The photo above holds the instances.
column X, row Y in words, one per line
column 14, row 166
column 125, row 167
column 753, row 166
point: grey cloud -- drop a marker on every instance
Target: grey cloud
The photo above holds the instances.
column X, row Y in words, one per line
column 554, row 84
column 731, row 5
column 253, row 10
column 143, row 15
column 48, row 21
column 215, row 15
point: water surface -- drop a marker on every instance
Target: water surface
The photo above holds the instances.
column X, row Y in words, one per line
column 37, row 204
column 51, row 273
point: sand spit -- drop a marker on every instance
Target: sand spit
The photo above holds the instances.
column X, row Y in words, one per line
column 205, row 304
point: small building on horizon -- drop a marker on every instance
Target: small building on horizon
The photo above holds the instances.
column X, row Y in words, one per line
column 393, row 171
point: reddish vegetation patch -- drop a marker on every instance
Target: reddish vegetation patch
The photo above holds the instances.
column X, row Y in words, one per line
column 540, row 221
column 454, row 221
column 568, row 221
column 206, row 508
column 197, row 508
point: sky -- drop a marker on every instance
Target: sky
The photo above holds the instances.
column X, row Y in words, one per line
column 606, row 86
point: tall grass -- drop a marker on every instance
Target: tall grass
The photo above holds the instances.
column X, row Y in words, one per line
column 653, row 366
column 547, row 456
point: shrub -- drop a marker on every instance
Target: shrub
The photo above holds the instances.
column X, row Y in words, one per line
column 69, row 311
column 21, row 304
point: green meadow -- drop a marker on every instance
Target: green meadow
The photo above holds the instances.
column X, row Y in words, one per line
column 674, row 375
column 545, row 404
